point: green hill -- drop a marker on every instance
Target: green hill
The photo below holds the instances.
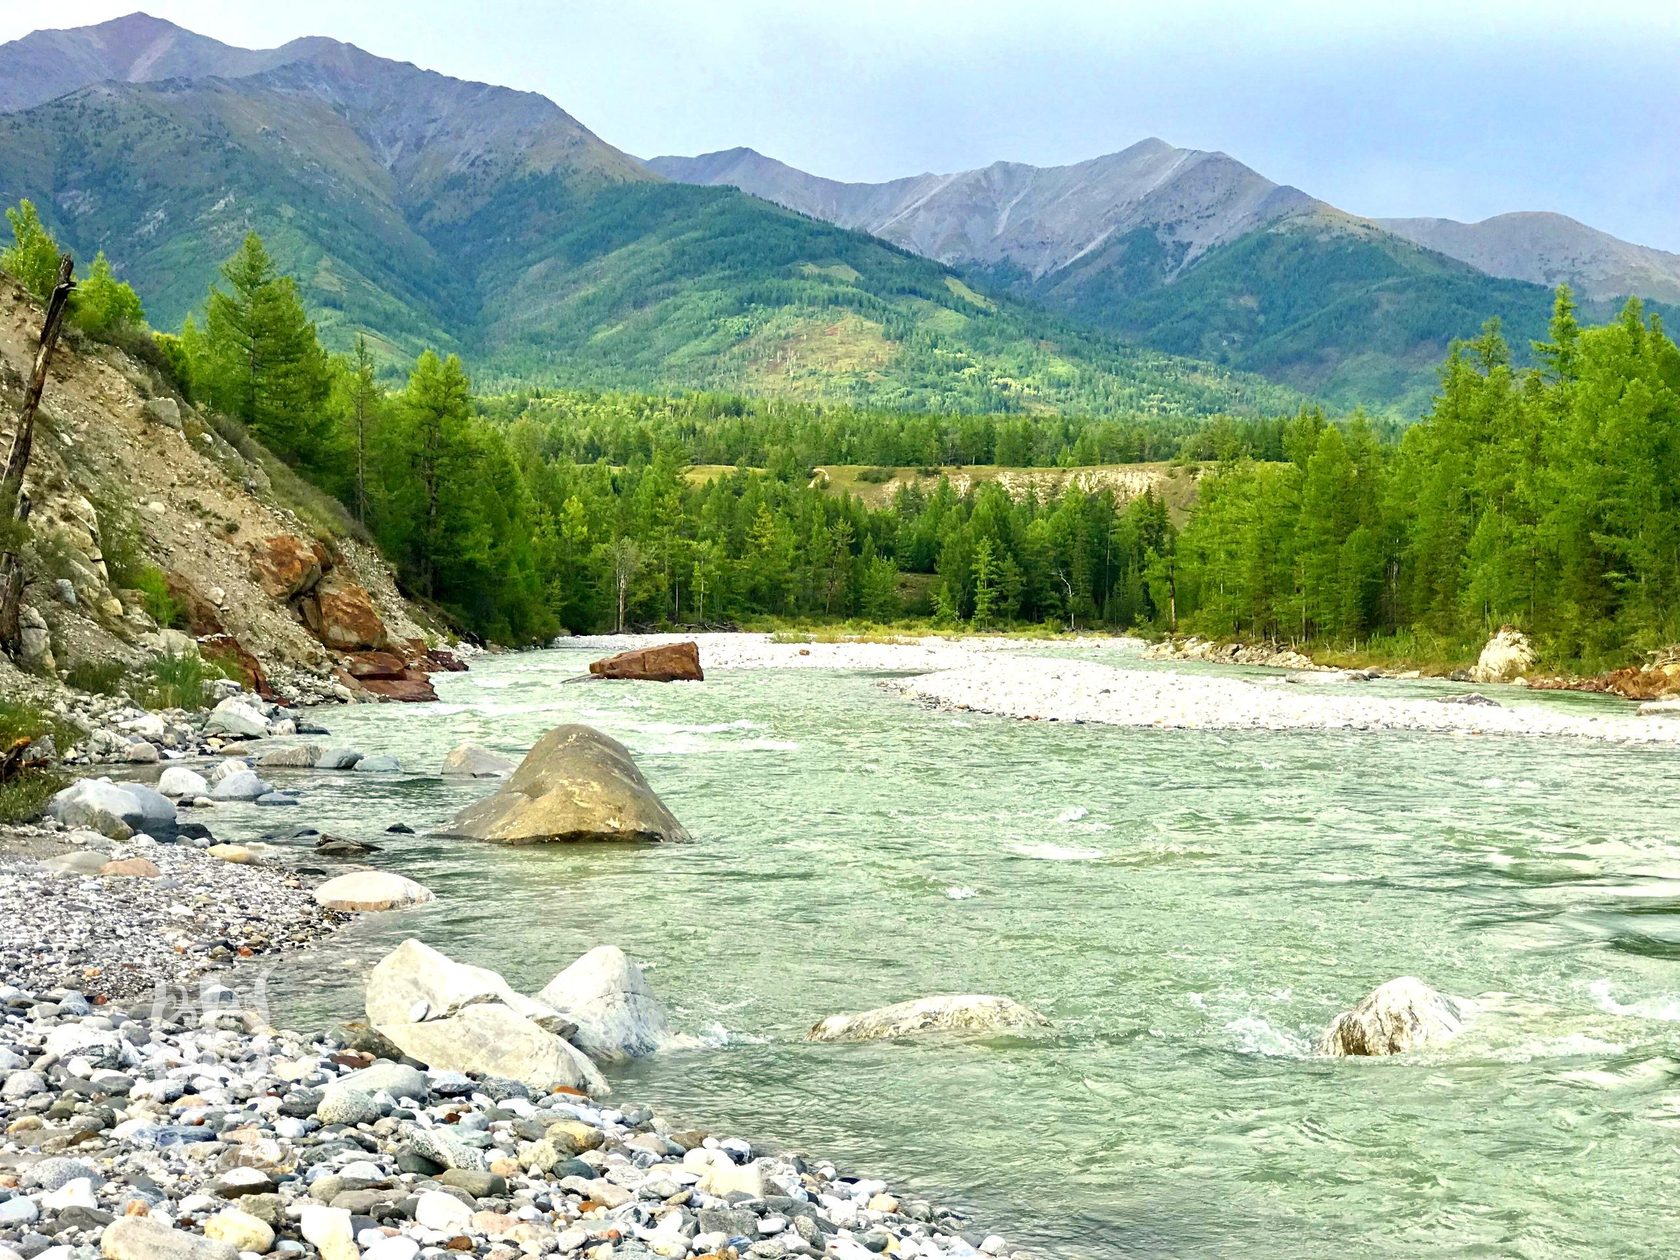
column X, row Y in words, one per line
column 428, row 211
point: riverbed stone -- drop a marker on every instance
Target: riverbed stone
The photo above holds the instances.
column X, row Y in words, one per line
column 610, row 1001
column 576, row 784
column 965, row 1013
column 234, row 717
column 242, row 785
column 147, row 1238
column 474, row 761
column 1401, row 1015
column 97, row 803
column 178, row 781
column 370, row 891
column 240, row 1230
column 338, row 759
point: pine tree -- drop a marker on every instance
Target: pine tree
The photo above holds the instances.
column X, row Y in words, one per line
column 265, row 365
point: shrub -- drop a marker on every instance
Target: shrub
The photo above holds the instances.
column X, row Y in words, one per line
column 25, row 798
column 875, row 476
column 161, row 606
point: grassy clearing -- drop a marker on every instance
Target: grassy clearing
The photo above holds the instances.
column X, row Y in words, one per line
column 1405, row 650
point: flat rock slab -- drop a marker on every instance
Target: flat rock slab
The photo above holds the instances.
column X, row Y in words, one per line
column 967, row 1013
column 666, row 662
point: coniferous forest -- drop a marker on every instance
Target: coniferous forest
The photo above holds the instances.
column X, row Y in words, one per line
column 1539, row 495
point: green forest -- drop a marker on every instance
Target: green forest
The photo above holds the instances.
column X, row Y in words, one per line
column 1542, row 496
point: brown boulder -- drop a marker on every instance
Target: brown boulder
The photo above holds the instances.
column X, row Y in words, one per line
column 668, row 662
column 366, row 665
column 228, row 648
column 415, row 689
column 442, row 662
column 575, row 785
column 201, row 616
column 1656, row 683
column 341, row 615
column 285, row 566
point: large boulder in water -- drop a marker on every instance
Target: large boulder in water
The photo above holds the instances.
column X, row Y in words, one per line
column 607, row 998
column 371, row 890
column 665, row 662
column 575, row 785
column 1404, row 1014
column 1507, row 655
column 458, row 1018
column 966, row 1013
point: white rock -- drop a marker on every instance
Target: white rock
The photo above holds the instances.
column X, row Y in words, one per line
column 240, row 1230
column 442, row 1212
column 329, row 1229
column 233, row 717
column 1508, row 655
column 608, row 998
column 965, row 1013
column 1404, row 1014
column 371, row 890
column 243, row 786
column 178, row 781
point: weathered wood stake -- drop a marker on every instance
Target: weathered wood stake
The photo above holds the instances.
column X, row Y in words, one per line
column 14, row 503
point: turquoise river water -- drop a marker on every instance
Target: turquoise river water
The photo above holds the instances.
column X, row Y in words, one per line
column 1189, row 908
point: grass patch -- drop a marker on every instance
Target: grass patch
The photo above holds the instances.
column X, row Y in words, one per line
column 102, row 678
column 1405, row 650
column 178, row 682
column 24, row 799
column 155, row 597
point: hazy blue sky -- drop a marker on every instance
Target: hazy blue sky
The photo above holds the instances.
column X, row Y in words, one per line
column 1460, row 109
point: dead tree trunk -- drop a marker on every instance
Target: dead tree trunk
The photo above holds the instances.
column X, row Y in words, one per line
column 14, row 503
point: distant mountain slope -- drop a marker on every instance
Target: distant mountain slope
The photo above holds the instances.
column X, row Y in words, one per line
column 430, row 211
column 1194, row 253
column 1035, row 219
column 132, row 49
column 1549, row 249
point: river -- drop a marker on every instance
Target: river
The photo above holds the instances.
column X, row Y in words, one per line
column 1189, row 908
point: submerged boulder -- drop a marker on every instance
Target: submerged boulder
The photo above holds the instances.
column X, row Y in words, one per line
column 474, row 761
column 575, row 785
column 966, row 1013
column 1507, row 655
column 1404, row 1014
column 458, row 1018
column 608, row 999
column 664, row 662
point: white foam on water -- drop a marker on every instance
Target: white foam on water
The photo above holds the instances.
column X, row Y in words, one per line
column 1057, row 853
column 1665, row 1007
column 956, row 892
column 1256, row 1035
column 1072, row 814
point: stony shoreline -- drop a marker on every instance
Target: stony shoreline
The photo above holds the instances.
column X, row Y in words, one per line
column 203, row 1134
column 1085, row 691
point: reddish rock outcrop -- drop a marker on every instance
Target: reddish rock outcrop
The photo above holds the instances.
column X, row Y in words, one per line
column 286, row 566
column 341, row 615
column 668, row 662
column 225, row 645
column 413, row 690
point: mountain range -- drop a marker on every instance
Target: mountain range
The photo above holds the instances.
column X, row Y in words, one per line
column 1195, row 253
column 426, row 210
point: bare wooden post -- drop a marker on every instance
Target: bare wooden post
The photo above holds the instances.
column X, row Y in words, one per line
column 14, row 503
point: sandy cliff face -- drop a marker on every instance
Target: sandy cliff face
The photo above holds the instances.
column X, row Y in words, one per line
column 121, row 459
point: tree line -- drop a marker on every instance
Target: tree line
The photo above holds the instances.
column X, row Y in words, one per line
column 1543, row 496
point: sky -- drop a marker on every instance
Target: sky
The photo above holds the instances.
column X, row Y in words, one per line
column 1461, row 110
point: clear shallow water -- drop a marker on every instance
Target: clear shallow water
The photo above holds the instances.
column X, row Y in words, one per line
column 1221, row 898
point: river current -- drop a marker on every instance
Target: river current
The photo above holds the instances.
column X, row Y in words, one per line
column 1189, row 908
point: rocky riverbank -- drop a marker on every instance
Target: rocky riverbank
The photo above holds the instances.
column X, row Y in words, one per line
column 115, row 919
column 202, row 1134
column 1085, row 691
